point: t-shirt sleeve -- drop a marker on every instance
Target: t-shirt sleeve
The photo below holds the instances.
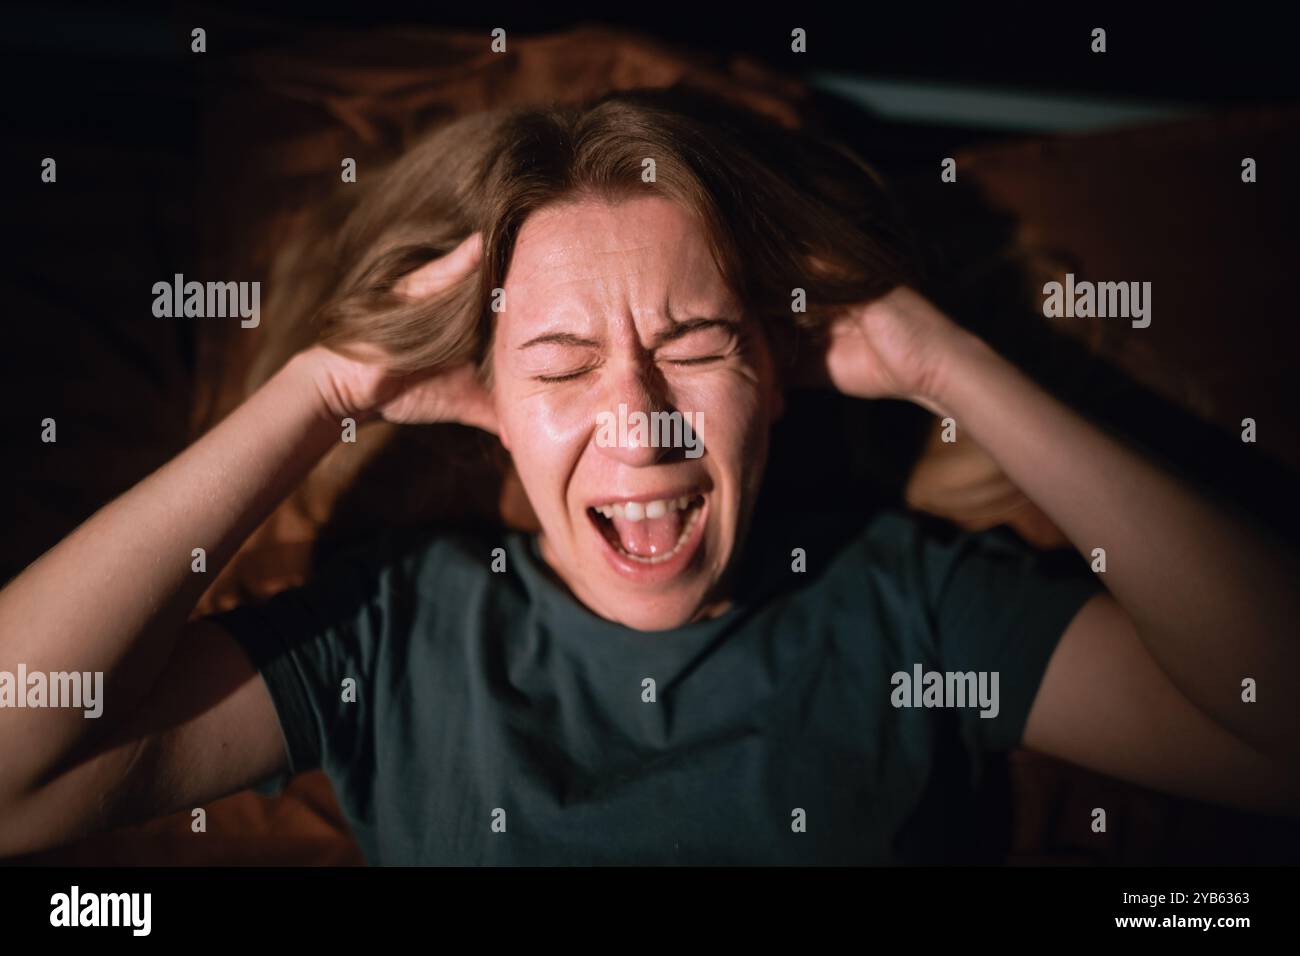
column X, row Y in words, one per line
column 309, row 641
column 999, row 607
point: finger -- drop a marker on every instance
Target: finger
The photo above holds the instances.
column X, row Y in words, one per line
column 450, row 395
column 443, row 272
column 472, row 403
column 480, row 412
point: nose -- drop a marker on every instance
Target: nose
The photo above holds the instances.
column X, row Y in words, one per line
column 631, row 407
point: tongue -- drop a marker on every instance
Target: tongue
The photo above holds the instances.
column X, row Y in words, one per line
column 649, row 537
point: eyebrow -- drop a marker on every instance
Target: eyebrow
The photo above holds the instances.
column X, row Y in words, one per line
column 676, row 331
column 560, row 338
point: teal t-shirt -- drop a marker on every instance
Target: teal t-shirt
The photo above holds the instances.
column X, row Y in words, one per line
column 498, row 721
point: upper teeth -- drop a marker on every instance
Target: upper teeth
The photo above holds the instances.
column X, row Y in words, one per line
column 637, row 510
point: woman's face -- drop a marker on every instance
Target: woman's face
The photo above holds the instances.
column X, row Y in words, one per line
column 636, row 400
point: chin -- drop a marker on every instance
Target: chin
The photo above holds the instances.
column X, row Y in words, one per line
column 658, row 605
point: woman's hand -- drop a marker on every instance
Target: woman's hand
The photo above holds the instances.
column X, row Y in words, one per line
column 365, row 387
column 895, row 346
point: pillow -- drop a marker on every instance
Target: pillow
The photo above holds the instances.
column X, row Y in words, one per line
column 1162, row 204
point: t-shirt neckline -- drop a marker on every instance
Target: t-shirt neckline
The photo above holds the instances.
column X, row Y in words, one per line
column 574, row 620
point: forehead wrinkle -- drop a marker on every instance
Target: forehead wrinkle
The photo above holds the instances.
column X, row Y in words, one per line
column 612, row 276
column 558, row 259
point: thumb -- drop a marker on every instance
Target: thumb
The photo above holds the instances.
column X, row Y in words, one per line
column 442, row 273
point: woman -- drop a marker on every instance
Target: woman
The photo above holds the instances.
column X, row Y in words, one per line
column 664, row 673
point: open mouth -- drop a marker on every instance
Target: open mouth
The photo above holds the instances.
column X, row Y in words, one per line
column 649, row 532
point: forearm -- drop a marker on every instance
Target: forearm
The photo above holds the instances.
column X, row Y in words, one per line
column 114, row 594
column 1214, row 599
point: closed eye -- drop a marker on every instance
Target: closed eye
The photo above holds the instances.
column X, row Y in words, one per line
column 698, row 342
column 701, row 360
column 570, row 376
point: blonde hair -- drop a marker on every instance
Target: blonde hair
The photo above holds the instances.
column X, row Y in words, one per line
column 782, row 209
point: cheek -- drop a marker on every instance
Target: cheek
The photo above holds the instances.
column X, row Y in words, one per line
column 546, row 435
column 529, row 413
column 734, row 409
column 559, row 418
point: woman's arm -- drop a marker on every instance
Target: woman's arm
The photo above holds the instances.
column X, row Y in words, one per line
column 1202, row 599
column 183, row 715
column 114, row 596
column 1214, row 599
